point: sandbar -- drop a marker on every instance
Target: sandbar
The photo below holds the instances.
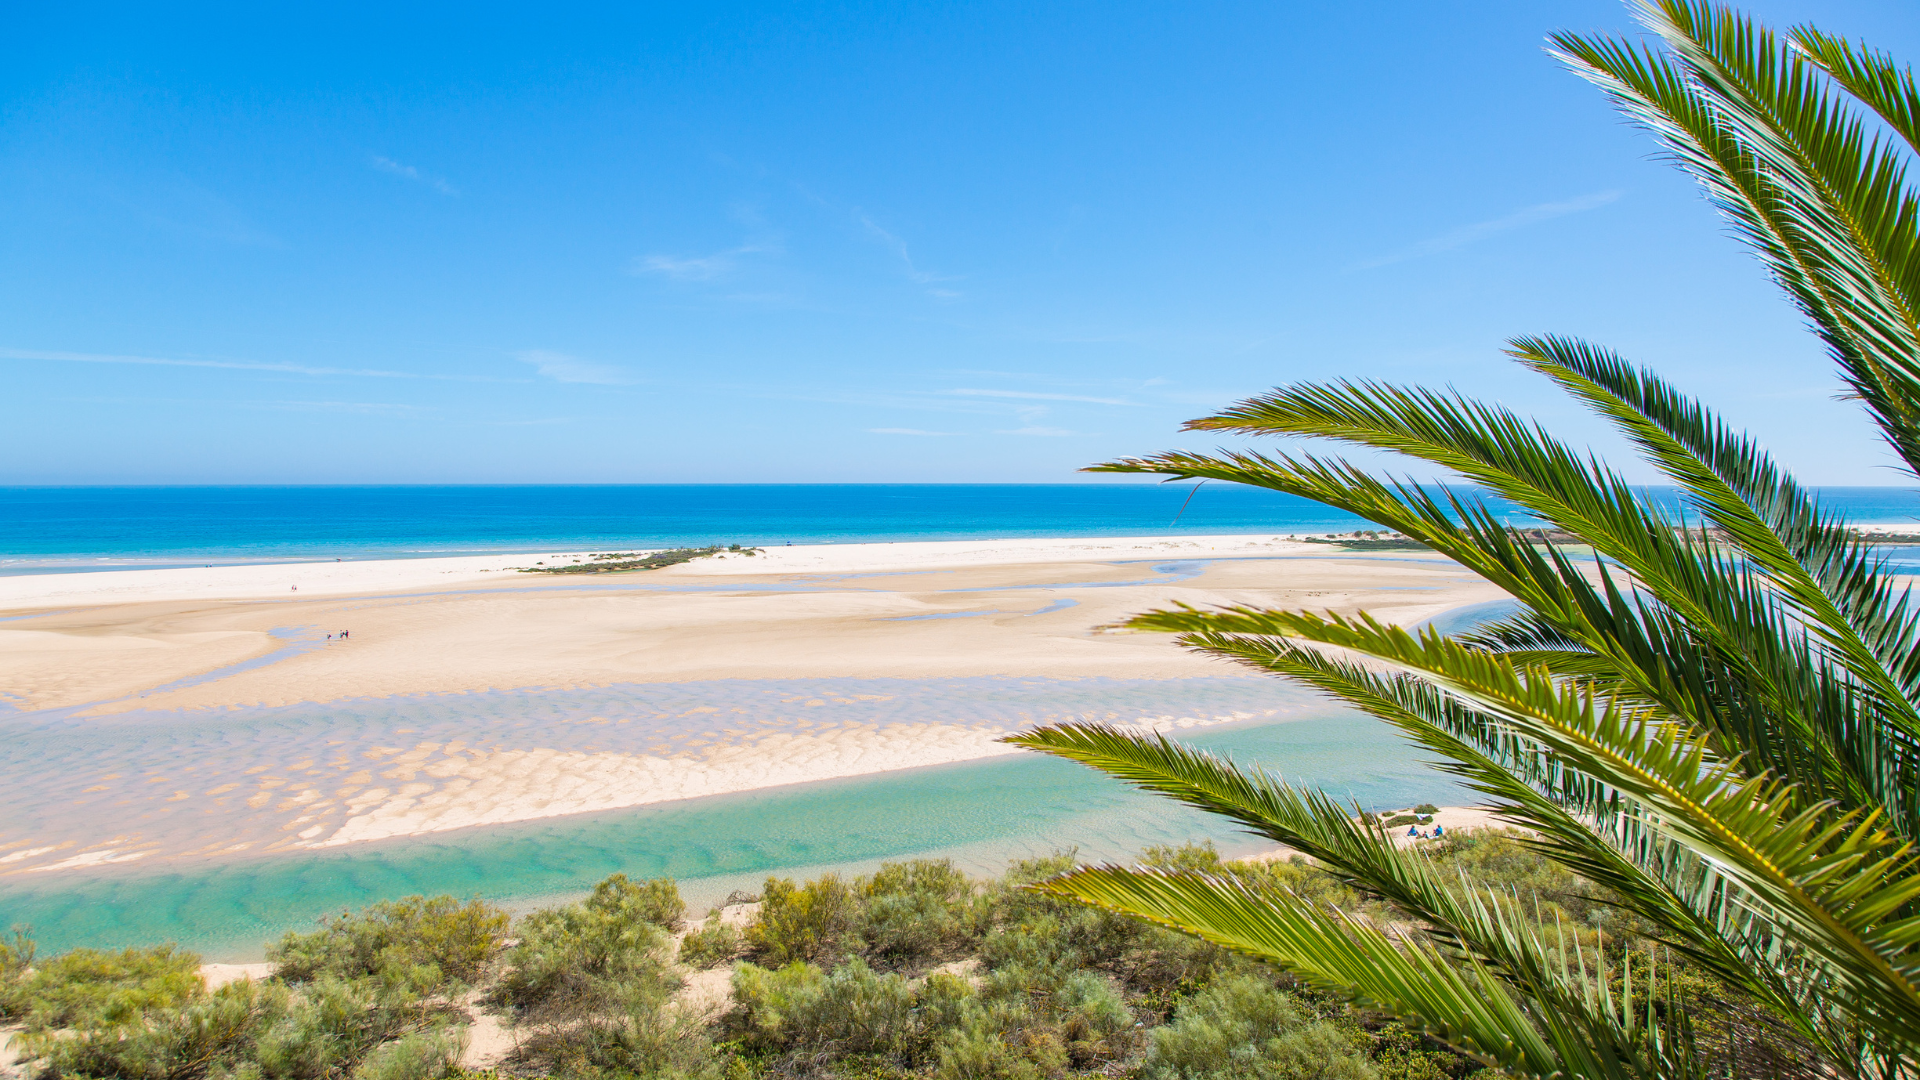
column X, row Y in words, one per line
column 236, row 719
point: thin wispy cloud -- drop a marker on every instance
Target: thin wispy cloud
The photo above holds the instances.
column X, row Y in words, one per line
column 228, row 365
column 1045, row 432
column 186, row 209
column 1032, row 395
column 388, row 165
column 359, row 408
column 905, row 431
column 697, row 267
column 914, row 273
column 1468, row 234
column 571, row 369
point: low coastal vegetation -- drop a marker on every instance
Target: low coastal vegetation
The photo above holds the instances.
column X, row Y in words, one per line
column 615, row 561
column 916, row 970
column 1366, row 540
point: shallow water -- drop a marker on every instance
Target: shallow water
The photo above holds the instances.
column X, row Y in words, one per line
column 87, row 791
column 982, row 813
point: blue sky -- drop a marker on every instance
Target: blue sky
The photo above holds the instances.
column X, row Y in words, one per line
column 847, row 242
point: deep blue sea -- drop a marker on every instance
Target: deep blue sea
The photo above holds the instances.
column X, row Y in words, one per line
column 44, row 529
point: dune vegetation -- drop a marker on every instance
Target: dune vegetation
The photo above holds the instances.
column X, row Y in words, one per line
column 915, row 970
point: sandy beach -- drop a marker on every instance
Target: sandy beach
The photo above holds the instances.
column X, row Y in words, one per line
column 238, row 720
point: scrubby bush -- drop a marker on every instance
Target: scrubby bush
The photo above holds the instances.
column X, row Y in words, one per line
column 656, row 900
column 1242, row 1028
column 1093, row 1019
column 423, row 1055
column 458, row 940
column 179, row 1039
column 644, row 1043
column 799, row 1007
column 810, row 923
column 381, row 1027
column 16, row 962
column 715, row 942
column 1400, row 1053
column 914, row 911
column 332, row 1025
column 97, row 988
column 1038, row 941
column 1297, row 876
column 1201, row 858
column 574, row 960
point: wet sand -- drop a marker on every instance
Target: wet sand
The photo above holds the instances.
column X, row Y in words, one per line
column 168, row 713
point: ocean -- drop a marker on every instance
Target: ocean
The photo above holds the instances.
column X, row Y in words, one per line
column 62, row 529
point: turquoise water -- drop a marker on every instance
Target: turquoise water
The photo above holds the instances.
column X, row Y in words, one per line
column 52, row 529
column 45, row 529
column 981, row 813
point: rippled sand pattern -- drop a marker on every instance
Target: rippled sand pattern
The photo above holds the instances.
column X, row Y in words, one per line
column 154, row 786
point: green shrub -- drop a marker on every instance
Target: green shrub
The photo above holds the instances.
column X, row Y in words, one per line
column 715, row 942
column 575, row 959
column 914, row 911
column 459, row 940
column 373, row 1027
column 1400, row 1053
column 1299, row 877
column 334, row 1025
column 808, row 923
column 423, row 1055
column 978, row 1053
column 16, row 961
column 167, row 1041
column 1242, row 1028
column 798, row 1007
column 1426, row 808
column 89, row 988
column 639, row 1042
column 943, row 1002
column 1201, row 858
column 1094, row 1022
column 937, row 878
column 656, row 900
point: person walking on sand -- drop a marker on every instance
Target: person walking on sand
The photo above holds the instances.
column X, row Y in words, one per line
column 343, row 635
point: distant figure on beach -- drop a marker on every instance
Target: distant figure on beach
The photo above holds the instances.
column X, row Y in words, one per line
column 296, row 588
column 329, row 637
column 343, row 635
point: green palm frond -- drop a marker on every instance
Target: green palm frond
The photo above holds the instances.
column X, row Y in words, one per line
column 1825, row 204
column 1875, row 79
column 1514, row 772
column 1716, row 721
column 1464, row 1004
column 1825, row 569
column 1737, row 626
